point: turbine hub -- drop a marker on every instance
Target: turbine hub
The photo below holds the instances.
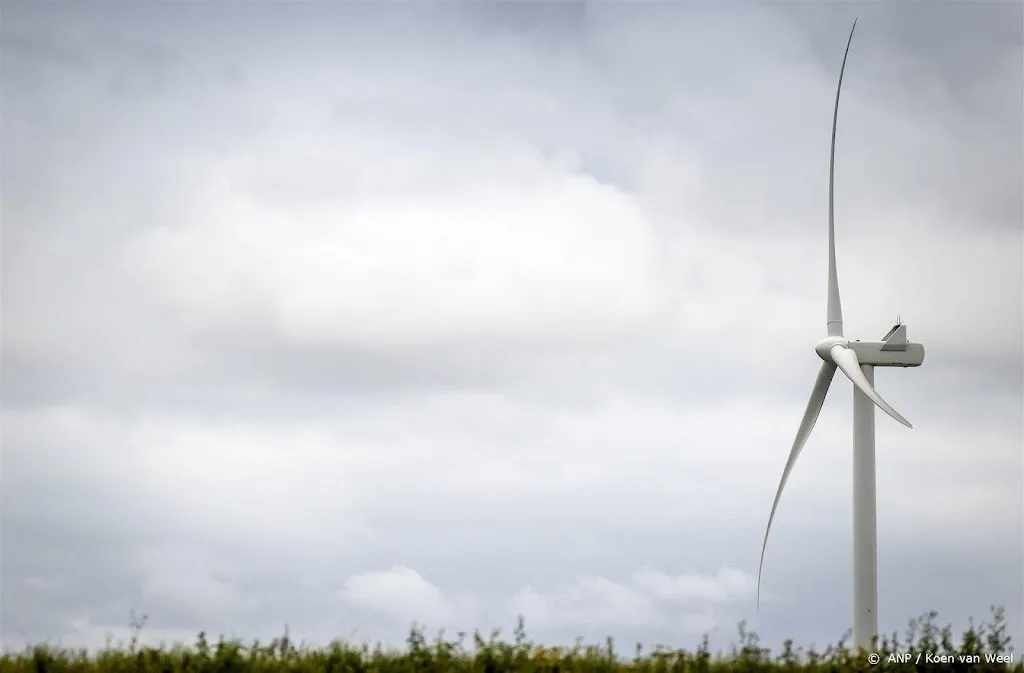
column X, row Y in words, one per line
column 825, row 346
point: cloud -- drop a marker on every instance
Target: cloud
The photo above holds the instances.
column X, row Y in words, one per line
column 587, row 601
column 647, row 598
column 290, row 297
column 726, row 584
column 190, row 581
column 403, row 595
column 512, row 248
column 195, row 592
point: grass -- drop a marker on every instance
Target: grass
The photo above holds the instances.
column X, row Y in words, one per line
column 924, row 647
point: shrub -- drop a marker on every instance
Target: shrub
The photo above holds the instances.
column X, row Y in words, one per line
column 983, row 648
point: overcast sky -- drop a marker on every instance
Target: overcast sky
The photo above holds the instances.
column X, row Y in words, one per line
column 347, row 316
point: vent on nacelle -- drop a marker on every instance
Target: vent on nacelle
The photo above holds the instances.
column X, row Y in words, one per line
column 896, row 338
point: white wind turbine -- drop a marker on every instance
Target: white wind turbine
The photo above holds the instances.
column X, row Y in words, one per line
column 857, row 360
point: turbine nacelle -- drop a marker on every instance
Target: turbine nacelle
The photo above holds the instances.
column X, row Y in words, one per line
column 894, row 350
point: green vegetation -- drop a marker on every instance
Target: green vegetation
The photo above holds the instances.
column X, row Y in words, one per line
column 983, row 648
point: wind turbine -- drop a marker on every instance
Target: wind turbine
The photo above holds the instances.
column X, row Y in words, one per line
column 857, row 360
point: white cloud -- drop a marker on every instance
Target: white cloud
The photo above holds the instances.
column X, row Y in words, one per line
column 516, row 248
column 647, row 598
column 588, row 601
column 726, row 584
column 401, row 594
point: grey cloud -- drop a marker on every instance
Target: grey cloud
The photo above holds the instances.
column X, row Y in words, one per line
column 157, row 441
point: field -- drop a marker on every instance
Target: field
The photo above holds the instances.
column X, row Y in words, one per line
column 925, row 646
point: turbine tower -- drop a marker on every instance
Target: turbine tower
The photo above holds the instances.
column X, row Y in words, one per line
column 857, row 360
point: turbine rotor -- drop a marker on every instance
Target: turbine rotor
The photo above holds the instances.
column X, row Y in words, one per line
column 834, row 349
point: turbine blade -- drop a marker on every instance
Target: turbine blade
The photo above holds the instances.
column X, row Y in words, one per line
column 834, row 323
column 825, row 374
column 846, row 359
